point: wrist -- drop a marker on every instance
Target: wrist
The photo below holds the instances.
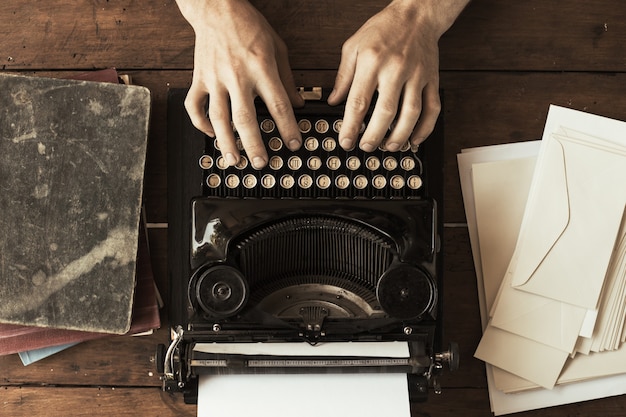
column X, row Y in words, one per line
column 438, row 15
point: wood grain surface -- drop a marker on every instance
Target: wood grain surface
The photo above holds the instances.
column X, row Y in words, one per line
column 502, row 64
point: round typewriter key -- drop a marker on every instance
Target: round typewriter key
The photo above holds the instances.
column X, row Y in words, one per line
column 249, row 181
column 379, row 182
column 337, row 125
column 276, row 162
column 221, row 291
column 232, row 181
column 407, row 163
column 216, row 145
column 305, row 181
column 397, row 182
column 213, row 181
column 329, row 144
column 294, row 163
column 323, row 181
column 390, row 163
column 314, row 163
column 342, row 182
column 414, row 182
column 406, row 146
column 243, row 162
column 353, row 163
column 304, row 125
column 268, row 181
column 333, row 163
column 239, row 144
column 311, row 143
column 267, row 125
column 372, row 163
column 362, row 129
column 275, row 143
column 206, row 162
column 321, row 126
column 405, row 292
column 287, row 181
column 360, row 182
column 221, row 162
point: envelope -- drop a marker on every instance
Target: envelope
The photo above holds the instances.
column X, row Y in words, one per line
column 571, row 220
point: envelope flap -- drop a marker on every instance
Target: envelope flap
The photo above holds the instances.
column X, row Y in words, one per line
column 546, row 217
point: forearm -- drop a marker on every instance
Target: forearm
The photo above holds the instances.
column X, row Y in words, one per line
column 438, row 14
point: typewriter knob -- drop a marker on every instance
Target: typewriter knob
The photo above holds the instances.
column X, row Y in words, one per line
column 221, row 291
column 405, row 291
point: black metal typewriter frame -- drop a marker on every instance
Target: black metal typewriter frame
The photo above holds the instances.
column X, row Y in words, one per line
column 185, row 181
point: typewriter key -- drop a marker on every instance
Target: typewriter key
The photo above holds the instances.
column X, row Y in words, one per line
column 249, row 181
column 390, row 163
column 232, row 181
column 329, row 144
column 276, row 162
column 304, row 125
column 305, row 181
column 221, row 162
column 379, row 182
column 360, row 182
column 314, row 163
column 311, row 143
column 323, row 181
column 294, row 163
column 337, row 125
column 353, row 163
column 414, row 182
column 333, row 163
column 397, row 182
column 275, row 144
column 268, row 181
column 321, row 126
column 267, row 125
column 213, row 180
column 243, row 162
column 406, row 146
column 239, row 144
column 287, row 181
column 216, row 145
column 372, row 163
column 342, row 182
column 206, row 162
column 407, row 163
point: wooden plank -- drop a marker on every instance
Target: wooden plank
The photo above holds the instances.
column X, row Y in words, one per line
column 490, row 35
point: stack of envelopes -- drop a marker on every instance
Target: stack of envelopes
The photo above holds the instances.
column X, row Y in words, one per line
column 547, row 221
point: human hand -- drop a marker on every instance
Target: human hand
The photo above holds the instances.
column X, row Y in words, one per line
column 395, row 53
column 238, row 56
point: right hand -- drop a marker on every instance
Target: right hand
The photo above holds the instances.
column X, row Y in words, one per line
column 238, row 56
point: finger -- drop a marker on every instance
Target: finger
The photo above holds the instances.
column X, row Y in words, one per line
column 244, row 118
column 357, row 104
column 384, row 112
column 195, row 104
column 345, row 76
column 286, row 76
column 429, row 115
column 407, row 119
column 219, row 114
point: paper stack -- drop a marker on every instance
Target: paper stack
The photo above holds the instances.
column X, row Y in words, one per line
column 546, row 220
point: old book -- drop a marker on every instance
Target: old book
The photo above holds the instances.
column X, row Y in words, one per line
column 72, row 156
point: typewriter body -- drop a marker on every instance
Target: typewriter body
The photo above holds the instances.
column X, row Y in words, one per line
column 323, row 246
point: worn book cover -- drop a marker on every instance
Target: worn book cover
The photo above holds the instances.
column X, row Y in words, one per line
column 72, row 156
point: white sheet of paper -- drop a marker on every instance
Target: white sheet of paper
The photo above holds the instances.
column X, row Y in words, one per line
column 311, row 395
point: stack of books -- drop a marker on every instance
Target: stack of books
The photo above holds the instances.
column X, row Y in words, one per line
column 74, row 258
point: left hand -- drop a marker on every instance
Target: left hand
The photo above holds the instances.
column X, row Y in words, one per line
column 395, row 53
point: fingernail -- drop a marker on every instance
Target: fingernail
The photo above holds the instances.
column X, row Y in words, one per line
column 258, row 162
column 392, row 147
column 367, row 147
column 346, row 143
column 294, row 144
column 231, row 159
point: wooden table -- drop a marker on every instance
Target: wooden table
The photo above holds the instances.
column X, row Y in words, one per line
column 502, row 64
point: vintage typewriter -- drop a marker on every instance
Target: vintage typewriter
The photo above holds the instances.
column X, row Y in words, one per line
column 323, row 246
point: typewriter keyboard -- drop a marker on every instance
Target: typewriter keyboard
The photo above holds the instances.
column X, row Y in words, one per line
column 319, row 169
